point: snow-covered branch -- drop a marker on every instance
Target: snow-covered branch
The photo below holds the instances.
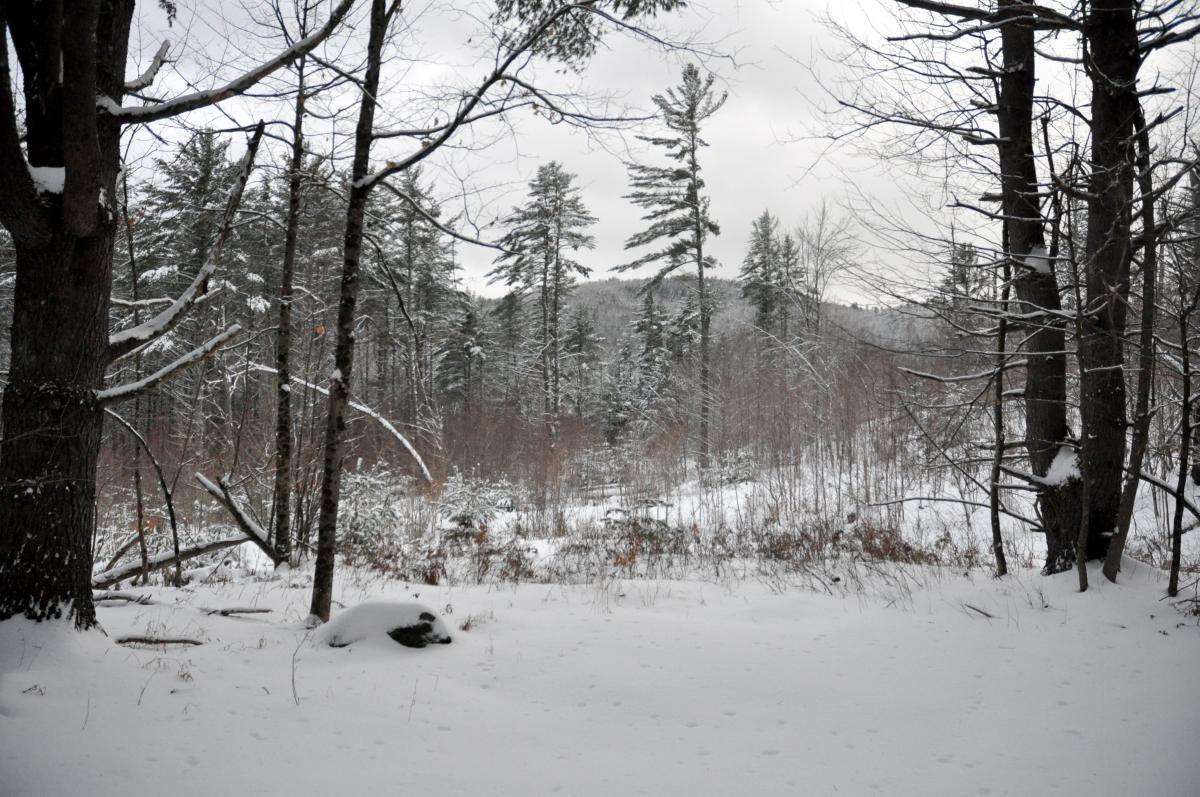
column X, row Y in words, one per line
column 144, row 80
column 116, row 575
column 127, row 391
column 365, row 410
column 249, row 526
column 239, row 85
column 129, row 340
column 988, row 374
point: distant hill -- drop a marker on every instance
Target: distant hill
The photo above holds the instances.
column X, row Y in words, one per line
column 613, row 303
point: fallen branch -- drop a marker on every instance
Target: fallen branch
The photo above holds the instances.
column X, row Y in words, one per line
column 116, row 575
column 365, row 410
column 980, row 611
column 247, row 524
column 158, row 640
column 127, row 597
column 236, row 610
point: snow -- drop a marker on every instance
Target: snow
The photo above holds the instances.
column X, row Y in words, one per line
column 620, row 687
column 370, row 622
column 1063, row 469
column 48, row 179
column 1038, row 259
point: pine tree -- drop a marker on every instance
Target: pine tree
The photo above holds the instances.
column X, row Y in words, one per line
column 540, row 234
column 762, row 273
column 581, row 349
column 460, row 373
column 677, row 210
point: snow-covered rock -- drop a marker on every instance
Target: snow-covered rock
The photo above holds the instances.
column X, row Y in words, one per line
column 413, row 625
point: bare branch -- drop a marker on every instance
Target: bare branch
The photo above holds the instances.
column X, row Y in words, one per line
column 239, row 85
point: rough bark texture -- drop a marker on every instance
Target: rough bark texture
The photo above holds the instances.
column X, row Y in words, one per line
column 64, row 252
column 339, row 388
column 1112, row 64
column 1046, row 430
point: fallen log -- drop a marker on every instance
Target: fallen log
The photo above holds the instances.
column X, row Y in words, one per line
column 128, row 597
column 236, row 610
column 116, row 575
column 158, row 640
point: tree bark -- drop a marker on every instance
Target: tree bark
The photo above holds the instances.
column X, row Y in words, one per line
column 1141, row 417
column 339, row 388
column 64, row 255
column 1112, row 64
column 281, row 526
column 1045, row 396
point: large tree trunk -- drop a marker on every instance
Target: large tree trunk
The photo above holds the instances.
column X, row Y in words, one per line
column 64, row 253
column 1113, row 67
column 1046, row 431
column 339, row 387
column 52, row 428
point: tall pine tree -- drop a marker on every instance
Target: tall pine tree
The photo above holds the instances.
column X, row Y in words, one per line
column 677, row 210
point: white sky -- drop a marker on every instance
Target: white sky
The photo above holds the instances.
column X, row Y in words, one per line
column 765, row 147
column 757, row 158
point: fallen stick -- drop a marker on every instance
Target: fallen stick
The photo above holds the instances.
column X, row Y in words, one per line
column 158, row 640
column 236, row 610
column 981, row 611
column 251, row 528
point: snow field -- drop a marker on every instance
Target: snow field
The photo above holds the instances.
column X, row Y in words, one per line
column 621, row 687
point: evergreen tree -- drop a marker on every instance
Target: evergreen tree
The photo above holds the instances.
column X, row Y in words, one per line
column 677, row 210
column 540, row 234
column 460, row 374
column 581, row 349
column 762, row 273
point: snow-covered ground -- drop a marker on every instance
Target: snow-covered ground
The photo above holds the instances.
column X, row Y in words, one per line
column 621, row 688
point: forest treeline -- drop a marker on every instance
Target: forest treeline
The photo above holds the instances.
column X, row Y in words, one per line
column 253, row 330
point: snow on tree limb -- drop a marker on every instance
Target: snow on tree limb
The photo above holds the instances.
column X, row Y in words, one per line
column 365, row 410
column 144, row 80
column 129, row 340
column 163, row 560
column 127, row 391
column 249, row 526
column 239, row 85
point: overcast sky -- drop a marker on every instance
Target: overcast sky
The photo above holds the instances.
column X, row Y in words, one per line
column 776, row 58
column 761, row 154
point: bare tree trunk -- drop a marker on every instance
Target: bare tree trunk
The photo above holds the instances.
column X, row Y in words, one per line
column 1185, row 441
column 1141, row 417
column 1112, row 65
column 998, row 426
column 339, row 387
column 64, row 248
column 1186, row 430
column 281, row 527
column 1036, row 285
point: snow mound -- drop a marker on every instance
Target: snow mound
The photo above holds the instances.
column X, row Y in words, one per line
column 413, row 625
